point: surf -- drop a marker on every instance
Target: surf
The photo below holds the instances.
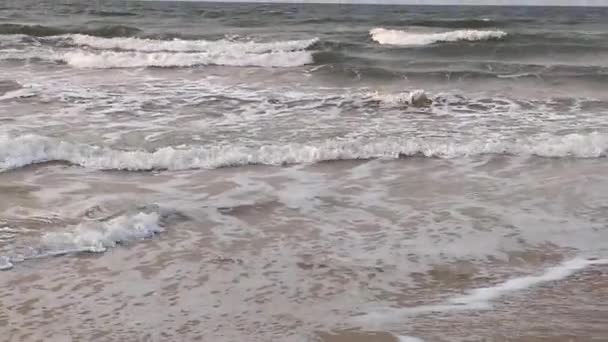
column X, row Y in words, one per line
column 20, row 151
column 404, row 38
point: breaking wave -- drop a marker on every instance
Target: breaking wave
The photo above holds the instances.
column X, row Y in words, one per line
column 106, row 59
column 113, row 59
column 24, row 150
column 100, row 236
column 92, row 236
column 404, row 38
column 85, row 51
column 180, row 45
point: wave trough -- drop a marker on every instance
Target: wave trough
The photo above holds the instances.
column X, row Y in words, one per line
column 403, row 38
column 46, row 31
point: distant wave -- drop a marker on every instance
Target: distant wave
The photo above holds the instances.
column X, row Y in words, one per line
column 179, row 45
column 404, row 38
column 46, row 31
column 85, row 51
column 24, row 150
column 116, row 59
column 111, row 59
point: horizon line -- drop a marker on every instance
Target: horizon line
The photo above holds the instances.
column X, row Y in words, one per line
column 386, row 3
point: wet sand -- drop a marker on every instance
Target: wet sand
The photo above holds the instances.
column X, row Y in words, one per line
column 247, row 257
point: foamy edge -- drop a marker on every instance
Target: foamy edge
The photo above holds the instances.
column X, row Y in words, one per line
column 481, row 298
column 115, row 59
column 24, row 150
column 180, row 45
column 85, row 51
column 404, row 38
column 94, row 237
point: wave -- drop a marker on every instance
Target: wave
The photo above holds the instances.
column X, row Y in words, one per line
column 24, row 150
column 416, row 98
column 180, row 45
column 10, row 89
column 5, row 263
column 481, row 298
column 85, row 51
column 98, row 237
column 30, row 30
column 404, row 38
column 469, row 70
column 47, row 31
column 111, row 59
column 9, row 85
column 92, row 236
column 106, row 59
column 17, row 94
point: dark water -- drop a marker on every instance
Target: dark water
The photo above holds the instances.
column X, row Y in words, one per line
column 554, row 43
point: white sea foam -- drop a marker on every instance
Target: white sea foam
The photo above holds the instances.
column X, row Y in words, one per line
column 486, row 294
column 114, row 59
column 99, row 236
column 481, row 298
column 5, row 263
column 405, row 38
column 179, row 45
column 525, row 74
column 17, row 94
column 29, row 149
column 417, row 97
column 136, row 52
column 92, row 236
column 402, row 338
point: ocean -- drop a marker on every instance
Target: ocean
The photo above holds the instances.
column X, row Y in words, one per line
column 188, row 171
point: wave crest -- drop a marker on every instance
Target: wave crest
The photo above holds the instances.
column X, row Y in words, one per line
column 92, row 236
column 180, row 45
column 99, row 236
column 404, row 38
column 113, row 59
column 30, row 149
column 85, row 51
